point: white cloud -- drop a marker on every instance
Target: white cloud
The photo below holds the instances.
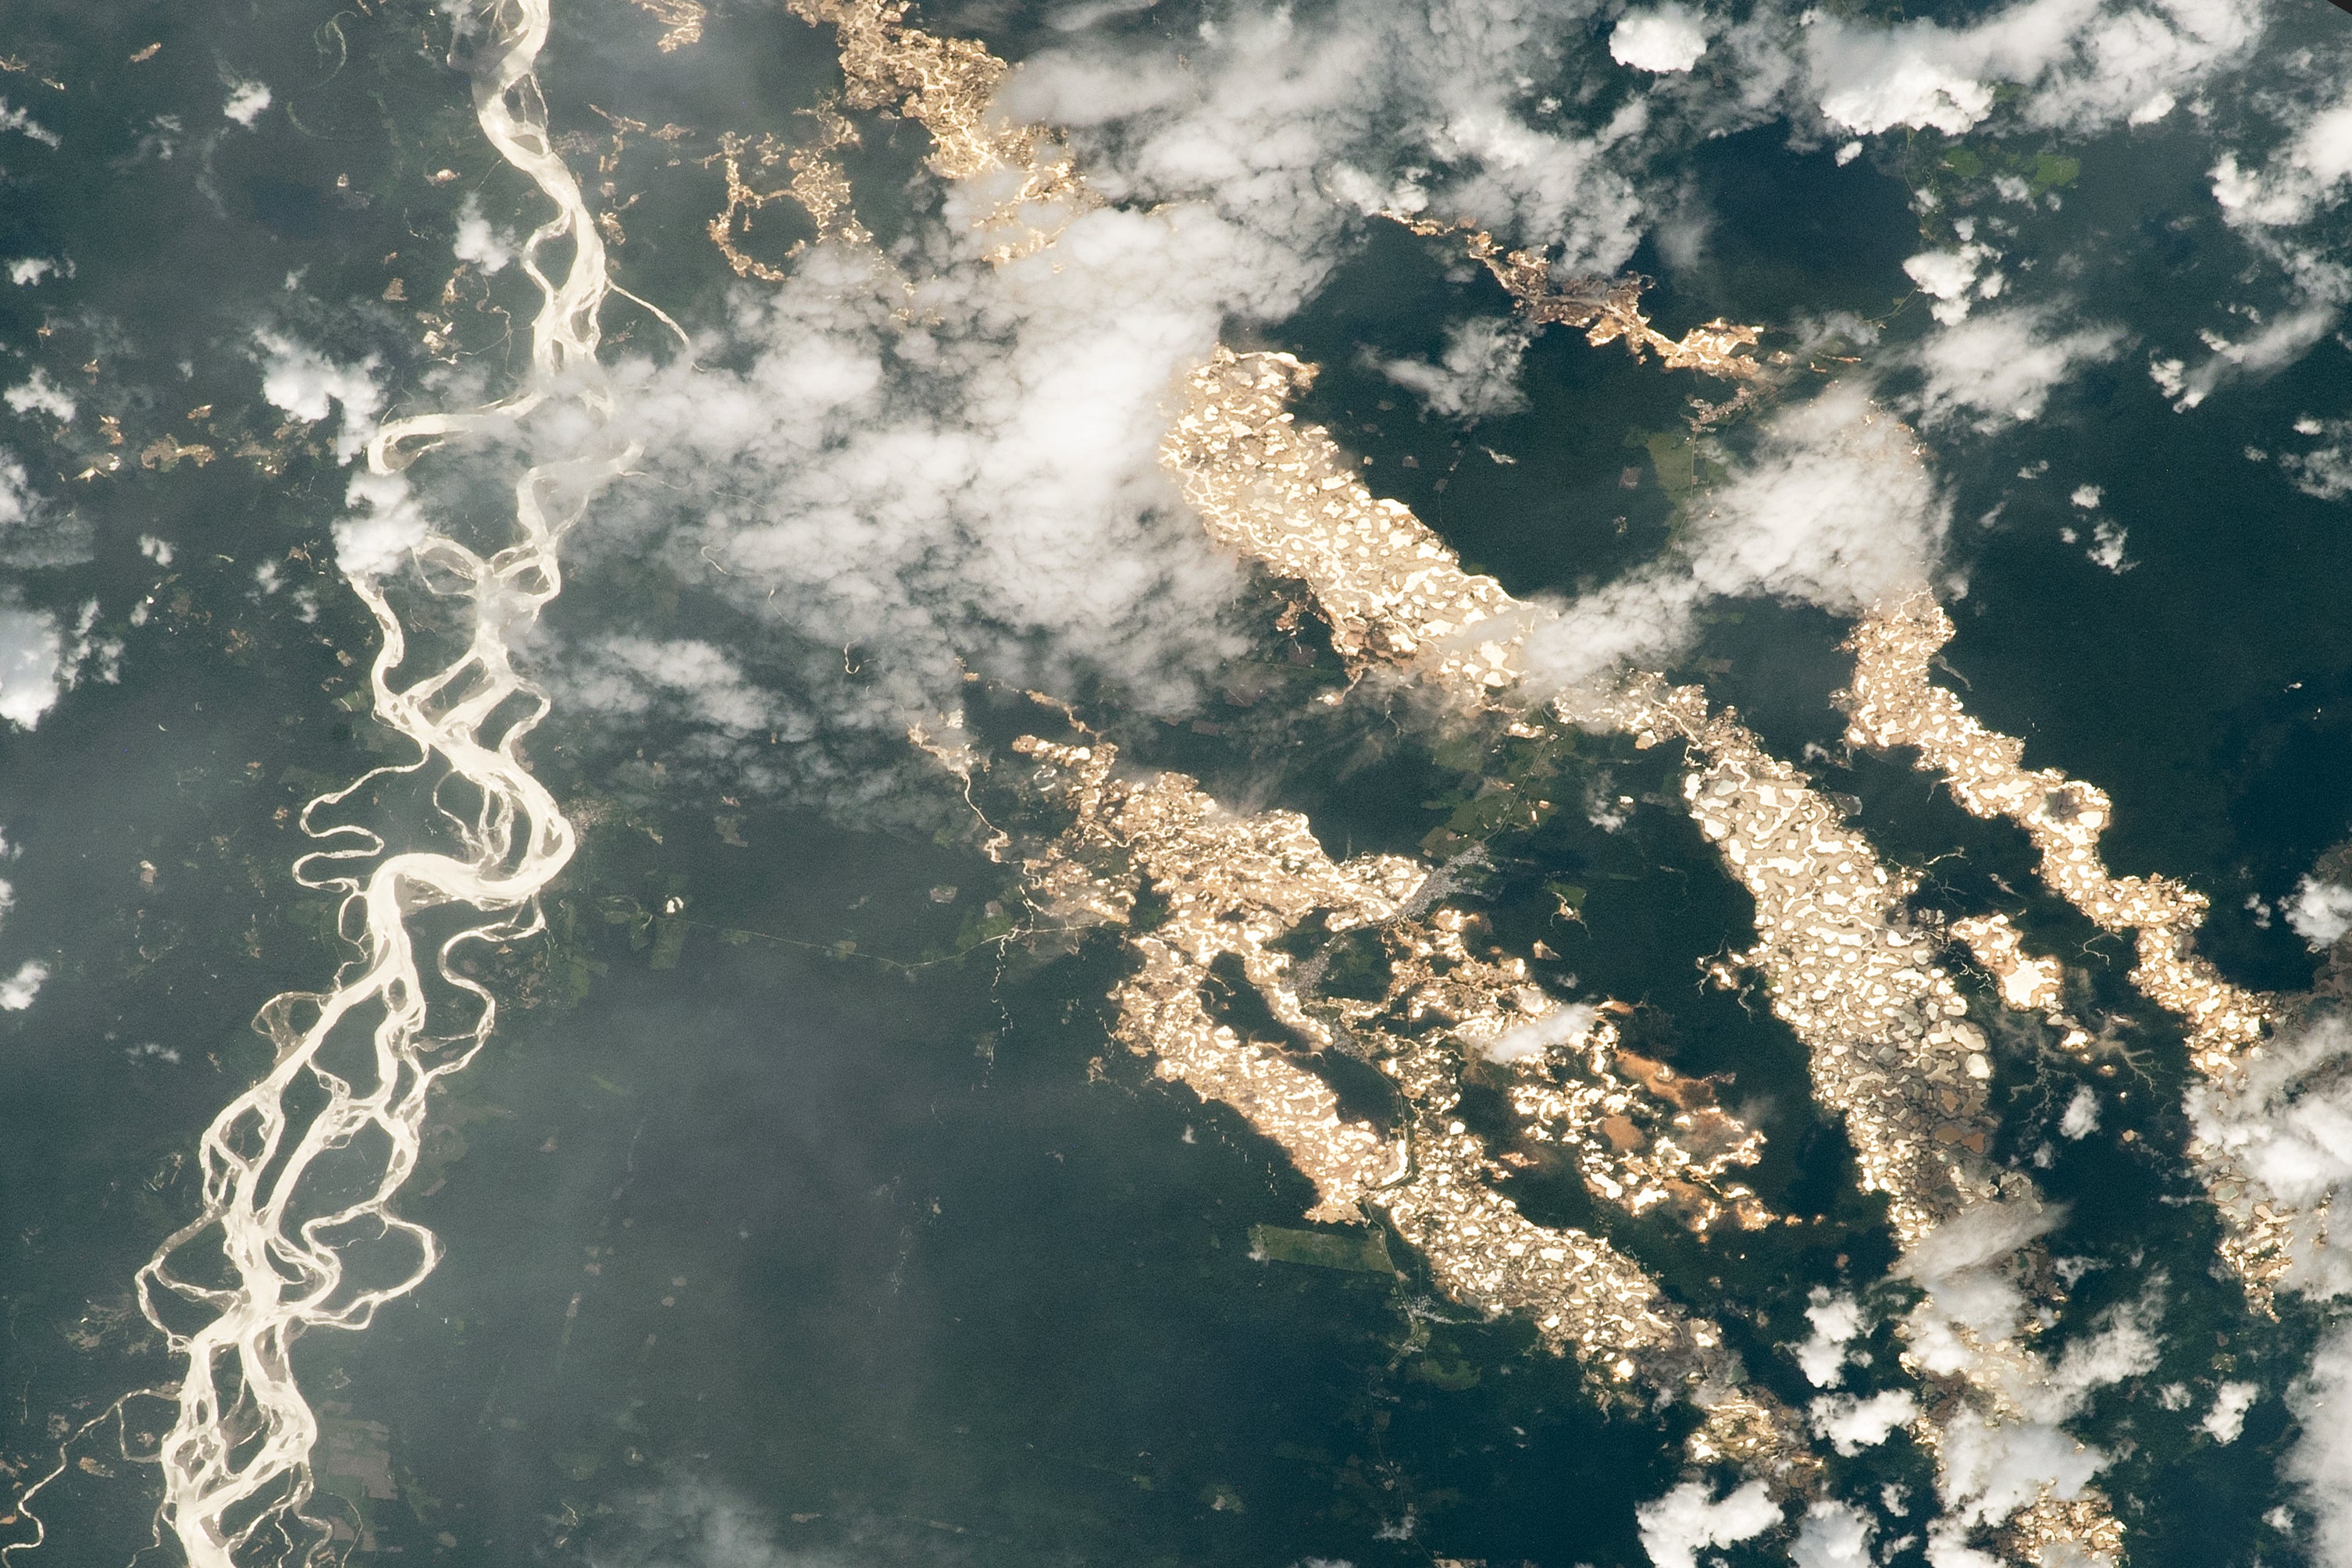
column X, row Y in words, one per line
column 693, row 1524
column 22, row 119
column 2227, row 1420
column 1948, row 1547
column 1644, row 617
column 1837, row 1322
column 2275, row 344
column 2285, row 1120
column 27, row 271
column 40, row 659
column 305, row 384
column 980, row 485
column 1990, row 1469
column 1832, row 1535
column 900, row 488
column 2087, row 497
column 2123, row 1344
column 2275, row 200
column 2082, row 64
column 1946, row 274
column 1260, row 115
column 1676, row 1527
column 2319, row 912
column 1833, row 506
column 2320, row 1463
column 19, row 505
column 247, row 101
column 35, row 665
column 2302, row 177
column 18, row 991
column 1951, row 279
column 1568, row 1022
column 43, row 395
column 2082, row 1118
column 1999, row 367
column 975, row 482
column 1990, row 1472
column 1969, row 1302
column 1548, row 183
column 486, row 248
column 680, row 678
column 1664, row 38
column 2107, row 547
column 897, row 497
column 375, row 538
column 33, row 532
column 2326, row 471
column 1918, row 74
column 1851, row 1424
column 884, row 490
column 1477, row 378
column 1371, row 198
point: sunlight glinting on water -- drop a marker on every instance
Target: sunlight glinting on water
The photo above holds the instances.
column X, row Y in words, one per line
column 236, row 1462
